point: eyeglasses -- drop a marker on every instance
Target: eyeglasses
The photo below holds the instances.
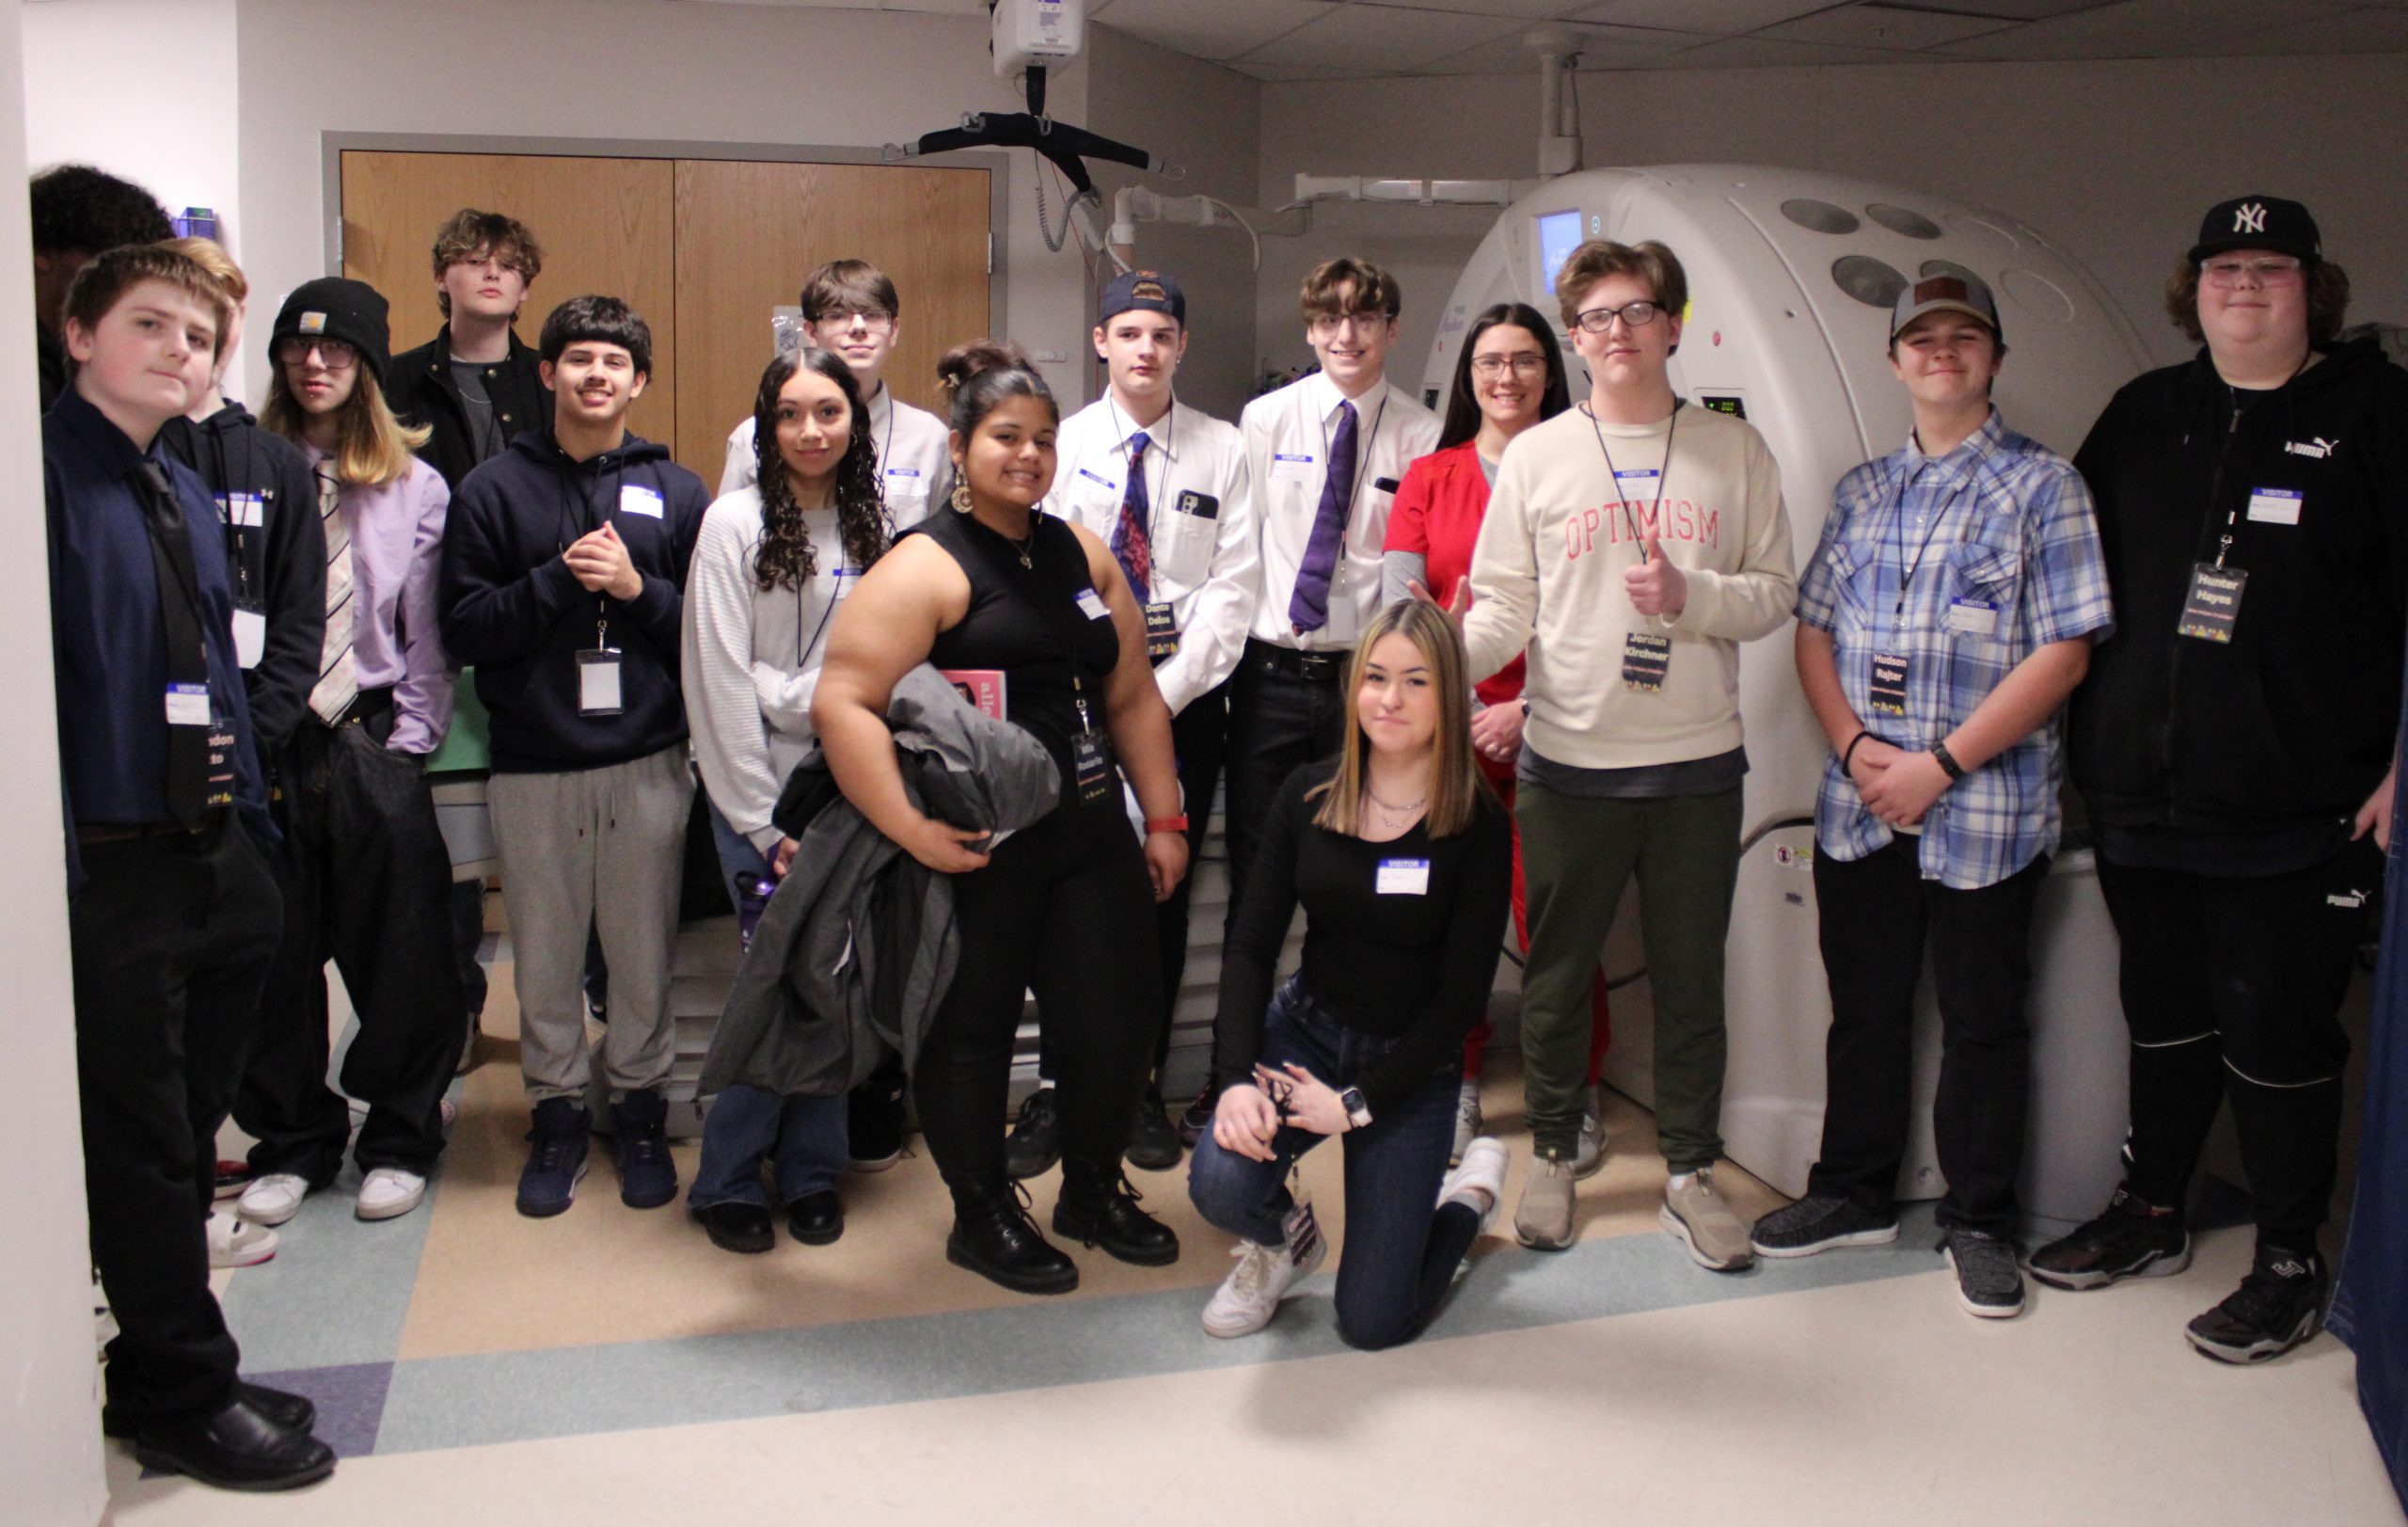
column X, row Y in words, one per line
column 1358, row 323
column 1491, row 367
column 334, row 355
column 2266, row 270
column 876, row 323
column 1637, row 315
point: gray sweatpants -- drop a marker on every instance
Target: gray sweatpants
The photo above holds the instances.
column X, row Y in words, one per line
column 603, row 848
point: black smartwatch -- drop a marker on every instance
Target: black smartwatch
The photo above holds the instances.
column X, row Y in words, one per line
column 1359, row 1113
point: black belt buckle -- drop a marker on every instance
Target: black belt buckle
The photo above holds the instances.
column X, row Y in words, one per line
column 1319, row 667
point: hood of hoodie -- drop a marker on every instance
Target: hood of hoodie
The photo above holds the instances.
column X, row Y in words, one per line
column 538, row 445
column 231, row 416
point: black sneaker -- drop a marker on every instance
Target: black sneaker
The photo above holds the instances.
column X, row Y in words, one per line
column 647, row 1176
column 1987, row 1283
column 1818, row 1222
column 2279, row 1305
column 1153, row 1143
column 2130, row 1240
column 556, row 1164
column 874, row 1121
column 1035, row 1140
column 1198, row 1117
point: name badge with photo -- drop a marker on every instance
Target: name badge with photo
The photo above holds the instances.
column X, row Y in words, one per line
column 1646, row 659
column 2212, row 608
column 2275, row 505
column 1402, row 877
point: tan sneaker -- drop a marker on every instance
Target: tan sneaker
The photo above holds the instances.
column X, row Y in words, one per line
column 1699, row 1220
column 1544, row 1221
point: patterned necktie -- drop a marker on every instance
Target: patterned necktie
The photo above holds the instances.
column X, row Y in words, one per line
column 338, row 677
column 1128, row 543
column 1308, row 606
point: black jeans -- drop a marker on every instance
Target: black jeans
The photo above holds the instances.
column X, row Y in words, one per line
column 368, row 882
column 2232, row 987
column 171, row 940
column 1878, row 915
column 1063, row 909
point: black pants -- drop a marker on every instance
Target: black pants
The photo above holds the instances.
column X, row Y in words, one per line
column 1200, row 736
column 468, row 937
column 171, row 940
column 368, row 882
column 2232, row 987
column 1063, row 909
column 1878, row 914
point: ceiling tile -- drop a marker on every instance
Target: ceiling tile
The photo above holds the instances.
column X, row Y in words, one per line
column 2141, row 29
column 1365, row 39
column 1600, row 47
column 1723, row 18
column 2383, row 30
column 1223, row 29
column 2021, row 11
column 1281, row 73
column 1770, row 52
column 1884, row 26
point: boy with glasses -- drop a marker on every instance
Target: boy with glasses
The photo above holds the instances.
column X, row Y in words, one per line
column 1631, row 544
column 1323, row 457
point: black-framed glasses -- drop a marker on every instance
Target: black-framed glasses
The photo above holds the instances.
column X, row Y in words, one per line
column 1637, row 315
column 1525, row 364
column 869, row 318
column 335, row 354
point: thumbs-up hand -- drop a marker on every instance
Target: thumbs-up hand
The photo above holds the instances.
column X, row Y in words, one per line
column 1655, row 585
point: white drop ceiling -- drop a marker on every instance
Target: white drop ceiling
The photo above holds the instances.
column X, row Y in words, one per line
column 1291, row 39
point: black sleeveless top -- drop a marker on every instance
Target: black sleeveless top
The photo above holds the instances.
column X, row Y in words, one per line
column 1043, row 626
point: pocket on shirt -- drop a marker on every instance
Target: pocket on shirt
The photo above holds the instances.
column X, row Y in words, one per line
column 1981, row 576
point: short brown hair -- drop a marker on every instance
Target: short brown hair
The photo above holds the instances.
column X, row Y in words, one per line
column 850, row 284
column 211, row 256
column 468, row 232
column 1345, row 285
column 1600, row 258
column 2328, row 299
column 102, row 284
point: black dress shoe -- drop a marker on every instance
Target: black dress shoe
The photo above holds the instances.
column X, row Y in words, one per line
column 997, row 1240
column 739, row 1226
column 1105, row 1214
column 1035, row 1140
column 296, row 1412
column 1153, row 1143
column 817, row 1218
column 237, row 1449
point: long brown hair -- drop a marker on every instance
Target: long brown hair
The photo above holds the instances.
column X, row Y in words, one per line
column 371, row 447
column 1455, row 783
column 863, row 525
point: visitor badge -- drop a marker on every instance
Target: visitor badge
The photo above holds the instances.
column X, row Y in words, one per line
column 634, row 499
column 1402, row 877
column 2212, row 607
column 597, row 682
column 1646, row 659
column 250, row 636
column 1972, row 617
column 1889, row 691
column 187, row 705
column 239, row 510
column 1293, row 466
column 2275, row 505
column 906, row 482
column 1092, row 604
column 1638, row 486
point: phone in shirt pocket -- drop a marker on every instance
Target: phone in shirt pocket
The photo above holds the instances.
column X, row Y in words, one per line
column 1184, row 535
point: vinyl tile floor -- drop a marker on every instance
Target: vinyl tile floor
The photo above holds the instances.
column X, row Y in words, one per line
column 611, row 1365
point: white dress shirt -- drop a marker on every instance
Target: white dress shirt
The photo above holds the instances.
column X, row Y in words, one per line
column 914, row 458
column 1288, row 434
column 1200, row 529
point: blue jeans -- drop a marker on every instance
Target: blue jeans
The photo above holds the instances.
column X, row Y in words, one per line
column 802, row 1138
column 1401, row 1248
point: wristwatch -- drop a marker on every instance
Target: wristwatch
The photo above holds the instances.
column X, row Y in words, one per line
column 1359, row 1113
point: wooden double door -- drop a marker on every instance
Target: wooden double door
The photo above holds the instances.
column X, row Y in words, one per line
column 704, row 249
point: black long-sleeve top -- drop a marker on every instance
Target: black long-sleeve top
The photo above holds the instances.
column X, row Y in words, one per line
column 1414, row 967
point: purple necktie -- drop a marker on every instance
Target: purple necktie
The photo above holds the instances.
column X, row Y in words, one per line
column 1308, row 606
column 1128, row 543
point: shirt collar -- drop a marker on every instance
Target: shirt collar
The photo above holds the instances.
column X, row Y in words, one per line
column 1326, row 397
column 1161, row 435
column 1967, row 455
column 100, row 434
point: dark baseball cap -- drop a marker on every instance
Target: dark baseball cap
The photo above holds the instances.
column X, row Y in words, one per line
column 2258, row 222
column 1945, row 292
column 1149, row 290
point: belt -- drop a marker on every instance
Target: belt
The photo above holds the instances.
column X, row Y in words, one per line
column 366, row 706
column 1312, row 667
column 89, row 832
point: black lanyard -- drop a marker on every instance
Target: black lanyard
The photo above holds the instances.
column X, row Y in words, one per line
column 1655, row 510
column 1907, row 567
column 803, row 649
column 2223, row 463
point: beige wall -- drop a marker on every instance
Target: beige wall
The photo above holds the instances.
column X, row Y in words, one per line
column 2115, row 162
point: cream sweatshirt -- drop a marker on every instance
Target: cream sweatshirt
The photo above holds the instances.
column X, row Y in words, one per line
column 1546, row 575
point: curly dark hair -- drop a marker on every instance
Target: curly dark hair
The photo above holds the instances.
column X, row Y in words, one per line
column 76, row 207
column 786, row 557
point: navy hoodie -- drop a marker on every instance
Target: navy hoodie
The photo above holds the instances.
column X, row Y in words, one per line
column 511, row 608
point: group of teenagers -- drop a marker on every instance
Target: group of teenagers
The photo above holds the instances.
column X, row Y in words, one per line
column 1449, row 668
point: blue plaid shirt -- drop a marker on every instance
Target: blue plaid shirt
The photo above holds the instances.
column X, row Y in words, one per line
column 2004, row 551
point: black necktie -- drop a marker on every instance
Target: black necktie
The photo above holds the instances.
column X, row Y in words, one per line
column 188, row 764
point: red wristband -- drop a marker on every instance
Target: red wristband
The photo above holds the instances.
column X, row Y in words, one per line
column 1165, row 824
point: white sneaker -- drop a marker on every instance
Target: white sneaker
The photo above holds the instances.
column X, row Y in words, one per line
column 235, row 1241
column 388, row 1193
column 448, row 1112
column 1479, row 1182
column 1248, row 1297
column 1468, row 1120
column 1588, row 1152
column 274, row 1199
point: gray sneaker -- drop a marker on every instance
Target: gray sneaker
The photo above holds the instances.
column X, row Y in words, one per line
column 1544, row 1220
column 1989, row 1283
column 1818, row 1222
column 1700, row 1220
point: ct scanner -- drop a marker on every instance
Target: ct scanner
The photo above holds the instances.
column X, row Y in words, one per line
column 1792, row 274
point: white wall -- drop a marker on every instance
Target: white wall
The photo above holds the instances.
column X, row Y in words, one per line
column 50, row 1426
column 2115, row 162
column 644, row 70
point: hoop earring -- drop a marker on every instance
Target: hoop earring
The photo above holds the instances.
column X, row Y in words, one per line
column 960, row 497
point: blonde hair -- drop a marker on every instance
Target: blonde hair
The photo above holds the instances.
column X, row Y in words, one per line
column 211, row 256
column 372, row 446
column 1456, row 784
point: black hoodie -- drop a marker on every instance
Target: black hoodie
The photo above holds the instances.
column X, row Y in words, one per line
column 278, row 567
column 2291, row 724
column 514, row 610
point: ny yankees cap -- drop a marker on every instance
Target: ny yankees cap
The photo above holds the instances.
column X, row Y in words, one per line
column 2258, row 222
column 1945, row 292
column 1149, row 290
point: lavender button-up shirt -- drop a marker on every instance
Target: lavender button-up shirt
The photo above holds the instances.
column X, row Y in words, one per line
column 396, row 553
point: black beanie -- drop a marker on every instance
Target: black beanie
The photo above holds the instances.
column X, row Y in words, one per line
column 331, row 308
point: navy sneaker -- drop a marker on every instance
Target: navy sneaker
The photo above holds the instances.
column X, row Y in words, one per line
column 557, row 1163
column 647, row 1177
column 2279, row 1305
